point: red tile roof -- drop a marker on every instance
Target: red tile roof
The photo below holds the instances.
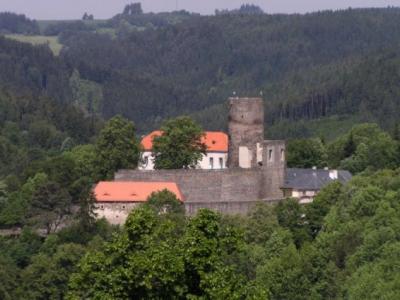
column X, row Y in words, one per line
column 129, row 191
column 147, row 141
column 215, row 141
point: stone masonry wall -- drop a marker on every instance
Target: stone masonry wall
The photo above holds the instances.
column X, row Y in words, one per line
column 246, row 129
column 228, row 191
column 116, row 213
column 274, row 168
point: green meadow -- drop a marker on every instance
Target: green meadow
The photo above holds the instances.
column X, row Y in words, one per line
column 52, row 41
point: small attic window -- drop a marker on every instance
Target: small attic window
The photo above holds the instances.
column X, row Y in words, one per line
column 213, row 142
column 106, row 194
column 133, row 194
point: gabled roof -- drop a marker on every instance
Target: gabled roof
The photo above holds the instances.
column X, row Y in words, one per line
column 147, row 141
column 129, row 191
column 310, row 179
column 215, row 141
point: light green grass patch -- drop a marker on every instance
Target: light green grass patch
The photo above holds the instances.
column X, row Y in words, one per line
column 52, row 41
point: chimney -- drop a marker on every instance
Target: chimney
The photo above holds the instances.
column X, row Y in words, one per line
column 333, row 174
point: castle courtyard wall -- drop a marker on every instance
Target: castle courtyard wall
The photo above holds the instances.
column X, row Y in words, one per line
column 231, row 191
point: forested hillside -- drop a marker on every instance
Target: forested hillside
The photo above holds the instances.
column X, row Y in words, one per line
column 320, row 74
column 289, row 58
column 12, row 23
column 315, row 70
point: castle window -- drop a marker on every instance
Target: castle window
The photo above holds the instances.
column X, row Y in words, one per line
column 270, row 154
column 101, row 207
column 145, row 161
column 282, row 154
column 211, row 162
column 123, row 206
column 221, row 162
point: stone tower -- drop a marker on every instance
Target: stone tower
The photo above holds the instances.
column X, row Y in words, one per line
column 246, row 132
column 274, row 168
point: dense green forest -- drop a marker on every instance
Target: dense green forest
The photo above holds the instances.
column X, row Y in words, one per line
column 315, row 71
column 330, row 81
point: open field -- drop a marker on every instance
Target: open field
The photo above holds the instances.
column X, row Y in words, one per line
column 43, row 24
column 52, row 41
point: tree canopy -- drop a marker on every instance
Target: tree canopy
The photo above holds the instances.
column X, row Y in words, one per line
column 117, row 147
column 179, row 146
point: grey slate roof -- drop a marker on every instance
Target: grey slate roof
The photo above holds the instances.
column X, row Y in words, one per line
column 310, row 179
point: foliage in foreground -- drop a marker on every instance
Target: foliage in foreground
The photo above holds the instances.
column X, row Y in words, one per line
column 343, row 245
column 365, row 146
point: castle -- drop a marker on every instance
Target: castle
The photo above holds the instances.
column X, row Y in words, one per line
column 256, row 171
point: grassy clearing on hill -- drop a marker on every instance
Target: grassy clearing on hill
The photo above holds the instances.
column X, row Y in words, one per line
column 52, row 41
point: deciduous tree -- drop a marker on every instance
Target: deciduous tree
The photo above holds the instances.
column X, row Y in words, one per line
column 180, row 145
column 117, row 147
column 50, row 206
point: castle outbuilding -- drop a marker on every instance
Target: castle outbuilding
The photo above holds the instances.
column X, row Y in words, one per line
column 115, row 200
column 215, row 158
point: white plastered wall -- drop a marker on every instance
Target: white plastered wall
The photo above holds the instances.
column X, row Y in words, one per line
column 212, row 160
column 115, row 213
column 259, row 153
column 304, row 196
column 245, row 157
column 147, row 161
